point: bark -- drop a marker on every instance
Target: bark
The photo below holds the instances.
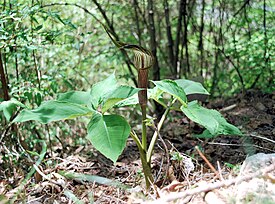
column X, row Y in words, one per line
column 3, row 80
column 37, row 72
column 200, row 45
column 217, row 40
column 135, row 5
column 153, row 43
column 185, row 36
column 16, row 63
column 177, row 41
column 170, row 44
column 248, row 24
column 142, row 14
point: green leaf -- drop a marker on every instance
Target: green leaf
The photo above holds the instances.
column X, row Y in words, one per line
column 53, row 111
column 117, row 95
column 154, row 93
column 108, row 134
column 133, row 100
column 72, row 197
column 101, row 89
column 8, row 107
column 191, row 87
column 171, row 87
column 92, row 178
column 212, row 120
column 78, row 97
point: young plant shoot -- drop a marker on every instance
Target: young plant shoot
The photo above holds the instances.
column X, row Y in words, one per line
column 108, row 133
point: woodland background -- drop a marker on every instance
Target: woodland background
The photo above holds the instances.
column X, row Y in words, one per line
column 49, row 47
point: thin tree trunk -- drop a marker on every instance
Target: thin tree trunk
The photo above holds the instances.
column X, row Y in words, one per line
column 248, row 24
column 265, row 65
column 135, row 5
column 238, row 62
column 3, row 79
column 38, row 74
column 170, row 44
column 177, row 41
column 185, row 36
column 4, row 59
column 214, row 77
column 110, row 25
column 265, row 39
column 200, row 45
column 142, row 14
column 217, row 40
column 153, row 43
column 16, row 63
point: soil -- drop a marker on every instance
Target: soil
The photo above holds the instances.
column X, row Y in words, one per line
column 253, row 113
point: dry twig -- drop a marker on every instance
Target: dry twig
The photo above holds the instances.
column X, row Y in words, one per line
column 212, row 186
column 207, row 162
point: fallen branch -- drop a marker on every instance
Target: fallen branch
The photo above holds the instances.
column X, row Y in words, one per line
column 212, row 186
column 228, row 108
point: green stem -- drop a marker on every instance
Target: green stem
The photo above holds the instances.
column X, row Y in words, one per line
column 145, row 165
column 155, row 136
column 144, row 128
column 136, row 139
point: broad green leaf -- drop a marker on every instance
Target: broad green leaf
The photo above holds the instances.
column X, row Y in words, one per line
column 171, row 87
column 8, row 107
column 212, row 120
column 117, row 95
column 78, row 97
column 53, row 111
column 133, row 100
column 101, row 89
column 154, row 93
column 191, row 87
column 108, row 134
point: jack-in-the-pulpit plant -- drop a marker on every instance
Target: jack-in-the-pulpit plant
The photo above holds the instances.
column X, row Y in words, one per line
column 108, row 133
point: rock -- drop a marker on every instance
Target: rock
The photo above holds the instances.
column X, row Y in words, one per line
column 212, row 197
column 256, row 162
column 256, row 190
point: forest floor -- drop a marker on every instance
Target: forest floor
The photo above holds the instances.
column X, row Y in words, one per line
column 185, row 175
